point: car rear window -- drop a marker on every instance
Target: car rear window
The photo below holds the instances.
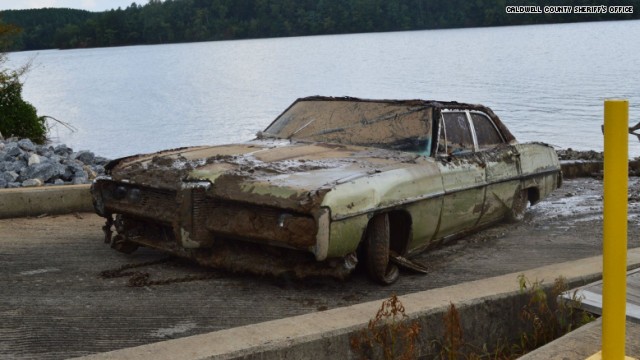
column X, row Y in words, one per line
column 486, row 132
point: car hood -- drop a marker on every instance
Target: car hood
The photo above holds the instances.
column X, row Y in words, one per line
column 277, row 173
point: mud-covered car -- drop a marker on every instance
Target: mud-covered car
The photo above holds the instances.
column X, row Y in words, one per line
column 330, row 183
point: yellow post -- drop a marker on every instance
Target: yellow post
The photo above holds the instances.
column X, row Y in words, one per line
column 614, row 244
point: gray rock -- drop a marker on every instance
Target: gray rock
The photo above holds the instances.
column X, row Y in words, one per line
column 22, row 169
column 10, row 176
column 47, row 153
column 85, row 156
column 62, row 150
column 16, row 166
column 22, row 161
column 75, row 166
column 44, row 150
column 99, row 169
column 99, row 160
column 32, row 183
column 67, row 174
column 82, row 174
column 42, row 171
column 61, row 171
column 13, row 151
column 25, row 156
column 3, row 183
column 56, row 159
column 27, row 145
column 77, row 180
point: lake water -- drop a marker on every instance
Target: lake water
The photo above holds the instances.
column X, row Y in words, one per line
column 546, row 82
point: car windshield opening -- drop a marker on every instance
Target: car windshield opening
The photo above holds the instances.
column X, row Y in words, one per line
column 404, row 126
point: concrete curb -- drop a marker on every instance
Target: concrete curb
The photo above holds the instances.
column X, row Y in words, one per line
column 586, row 168
column 584, row 342
column 325, row 335
column 63, row 199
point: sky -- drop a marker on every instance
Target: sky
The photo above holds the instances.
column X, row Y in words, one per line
column 91, row 5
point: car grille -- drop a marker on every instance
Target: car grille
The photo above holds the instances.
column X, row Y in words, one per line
column 203, row 218
column 262, row 224
column 156, row 204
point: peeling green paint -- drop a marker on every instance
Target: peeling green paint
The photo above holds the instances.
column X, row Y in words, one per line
column 345, row 235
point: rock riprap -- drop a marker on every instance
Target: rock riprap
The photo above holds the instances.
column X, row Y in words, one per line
column 25, row 164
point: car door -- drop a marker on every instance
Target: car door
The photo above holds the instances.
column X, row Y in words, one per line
column 463, row 173
column 502, row 167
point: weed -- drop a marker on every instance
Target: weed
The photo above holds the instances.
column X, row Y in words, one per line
column 541, row 319
column 452, row 333
column 453, row 346
column 389, row 335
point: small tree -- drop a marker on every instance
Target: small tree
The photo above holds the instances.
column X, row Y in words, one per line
column 17, row 117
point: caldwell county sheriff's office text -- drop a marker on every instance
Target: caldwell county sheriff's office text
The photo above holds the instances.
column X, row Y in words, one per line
column 598, row 9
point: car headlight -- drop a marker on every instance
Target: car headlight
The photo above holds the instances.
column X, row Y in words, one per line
column 119, row 193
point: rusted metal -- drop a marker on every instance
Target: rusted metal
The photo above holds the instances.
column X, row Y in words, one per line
column 408, row 263
column 311, row 181
column 138, row 278
column 263, row 224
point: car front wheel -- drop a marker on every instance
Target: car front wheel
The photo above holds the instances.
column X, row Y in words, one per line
column 379, row 267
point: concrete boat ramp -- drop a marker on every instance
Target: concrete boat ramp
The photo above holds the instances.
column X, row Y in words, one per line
column 53, row 304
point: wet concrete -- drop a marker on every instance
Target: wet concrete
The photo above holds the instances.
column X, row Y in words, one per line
column 53, row 305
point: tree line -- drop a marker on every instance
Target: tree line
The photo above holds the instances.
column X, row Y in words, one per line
column 173, row 21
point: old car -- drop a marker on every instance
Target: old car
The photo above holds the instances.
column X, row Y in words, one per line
column 329, row 183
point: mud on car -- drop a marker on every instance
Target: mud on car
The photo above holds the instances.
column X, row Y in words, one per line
column 330, row 183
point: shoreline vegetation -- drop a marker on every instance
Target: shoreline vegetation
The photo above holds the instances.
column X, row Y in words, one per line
column 179, row 21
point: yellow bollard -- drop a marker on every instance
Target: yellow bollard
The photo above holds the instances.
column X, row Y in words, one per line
column 614, row 243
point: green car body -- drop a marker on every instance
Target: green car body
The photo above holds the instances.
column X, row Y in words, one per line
column 332, row 181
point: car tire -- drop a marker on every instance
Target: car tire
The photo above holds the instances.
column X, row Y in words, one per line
column 379, row 267
column 519, row 207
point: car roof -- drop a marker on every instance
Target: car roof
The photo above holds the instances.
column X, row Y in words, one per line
column 435, row 104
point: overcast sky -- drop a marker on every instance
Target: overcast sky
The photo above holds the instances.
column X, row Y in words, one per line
column 91, row 5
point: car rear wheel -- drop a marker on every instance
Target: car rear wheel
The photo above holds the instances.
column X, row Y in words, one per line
column 377, row 243
column 519, row 207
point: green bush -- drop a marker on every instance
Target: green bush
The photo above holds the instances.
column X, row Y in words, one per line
column 18, row 117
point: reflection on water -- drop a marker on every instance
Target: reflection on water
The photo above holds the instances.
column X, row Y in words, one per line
column 546, row 82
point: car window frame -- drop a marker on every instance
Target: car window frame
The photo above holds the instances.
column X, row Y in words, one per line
column 493, row 124
column 476, row 148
